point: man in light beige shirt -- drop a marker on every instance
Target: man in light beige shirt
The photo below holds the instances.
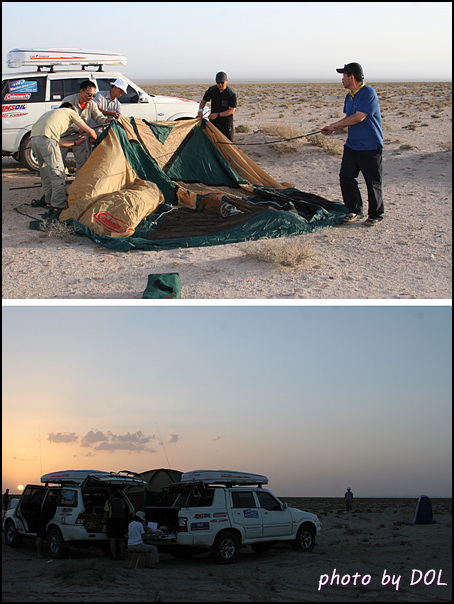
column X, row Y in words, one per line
column 88, row 110
column 46, row 144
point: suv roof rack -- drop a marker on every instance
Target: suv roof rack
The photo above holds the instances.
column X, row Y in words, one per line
column 51, row 57
column 225, row 477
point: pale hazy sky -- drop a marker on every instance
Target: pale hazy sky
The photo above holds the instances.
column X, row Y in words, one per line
column 316, row 398
column 248, row 40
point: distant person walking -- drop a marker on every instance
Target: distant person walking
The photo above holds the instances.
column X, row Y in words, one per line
column 223, row 105
column 363, row 150
column 348, row 500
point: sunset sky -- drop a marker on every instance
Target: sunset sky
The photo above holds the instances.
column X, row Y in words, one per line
column 316, row 398
column 249, row 40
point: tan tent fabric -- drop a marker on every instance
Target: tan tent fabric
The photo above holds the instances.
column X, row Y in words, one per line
column 162, row 152
column 117, row 214
column 107, row 195
column 213, row 200
column 107, row 170
column 243, row 165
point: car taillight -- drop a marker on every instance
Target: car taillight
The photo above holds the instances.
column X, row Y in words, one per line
column 183, row 525
column 80, row 519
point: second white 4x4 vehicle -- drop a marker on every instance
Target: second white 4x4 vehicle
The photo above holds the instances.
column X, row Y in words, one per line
column 222, row 511
column 27, row 95
column 72, row 502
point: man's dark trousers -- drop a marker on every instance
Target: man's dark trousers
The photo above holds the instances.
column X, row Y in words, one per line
column 370, row 164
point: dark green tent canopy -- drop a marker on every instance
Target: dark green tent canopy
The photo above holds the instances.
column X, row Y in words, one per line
column 154, row 186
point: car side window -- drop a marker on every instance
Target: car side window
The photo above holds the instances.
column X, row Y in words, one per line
column 59, row 89
column 24, row 90
column 243, row 499
column 268, row 502
column 130, row 96
column 68, row 498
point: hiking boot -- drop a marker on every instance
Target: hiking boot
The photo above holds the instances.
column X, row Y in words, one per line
column 373, row 221
column 352, row 217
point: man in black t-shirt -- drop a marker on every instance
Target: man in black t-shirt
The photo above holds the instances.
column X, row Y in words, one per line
column 223, row 105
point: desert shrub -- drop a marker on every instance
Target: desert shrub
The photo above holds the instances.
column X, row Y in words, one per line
column 331, row 146
column 289, row 252
column 61, row 230
column 243, row 129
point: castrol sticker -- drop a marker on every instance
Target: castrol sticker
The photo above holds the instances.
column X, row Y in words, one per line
column 14, row 110
column 112, row 224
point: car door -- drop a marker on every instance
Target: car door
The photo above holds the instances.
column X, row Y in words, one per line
column 29, row 508
column 246, row 513
column 276, row 521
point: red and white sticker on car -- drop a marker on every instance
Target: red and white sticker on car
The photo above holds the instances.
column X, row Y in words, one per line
column 14, row 110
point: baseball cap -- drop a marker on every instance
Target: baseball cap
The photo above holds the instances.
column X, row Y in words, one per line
column 140, row 515
column 221, row 76
column 121, row 84
column 353, row 68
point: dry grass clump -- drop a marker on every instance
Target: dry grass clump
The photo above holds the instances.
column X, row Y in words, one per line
column 289, row 252
column 61, row 230
column 243, row 129
column 283, row 132
column 331, row 146
column 280, row 130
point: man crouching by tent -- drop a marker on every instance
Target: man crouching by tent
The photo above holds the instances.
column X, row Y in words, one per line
column 223, row 105
column 46, row 143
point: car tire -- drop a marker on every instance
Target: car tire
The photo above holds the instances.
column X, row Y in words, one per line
column 305, row 539
column 12, row 536
column 26, row 156
column 57, row 546
column 226, row 548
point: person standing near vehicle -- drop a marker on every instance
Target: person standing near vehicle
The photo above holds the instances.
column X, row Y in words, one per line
column 5, row 501
column 223, row 105
column 46, row 144
column 107, row 100
column 88, row 110
column 363, row 150
column 116, row 522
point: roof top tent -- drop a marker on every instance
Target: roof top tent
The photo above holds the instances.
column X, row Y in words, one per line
column 80, row 477
column 423, row 513
column 224, row 477
column 51, row 57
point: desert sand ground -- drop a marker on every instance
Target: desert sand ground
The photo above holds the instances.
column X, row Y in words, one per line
column 377, row 542
column 408, row 256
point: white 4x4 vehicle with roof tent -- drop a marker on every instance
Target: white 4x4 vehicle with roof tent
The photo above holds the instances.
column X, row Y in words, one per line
column 221, row 511
column 75, row 500
column 27, row 95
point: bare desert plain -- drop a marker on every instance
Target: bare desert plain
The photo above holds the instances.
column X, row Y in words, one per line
column 408, row 256
column 374, row 554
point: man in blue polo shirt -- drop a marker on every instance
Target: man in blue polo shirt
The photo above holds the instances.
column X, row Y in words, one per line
column 363, row 150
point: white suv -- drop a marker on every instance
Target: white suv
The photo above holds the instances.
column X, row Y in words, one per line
column 72, row 503
column 27, row 95
column 222, row 511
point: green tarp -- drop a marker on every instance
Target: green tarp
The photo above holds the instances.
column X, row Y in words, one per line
column 212, row 195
